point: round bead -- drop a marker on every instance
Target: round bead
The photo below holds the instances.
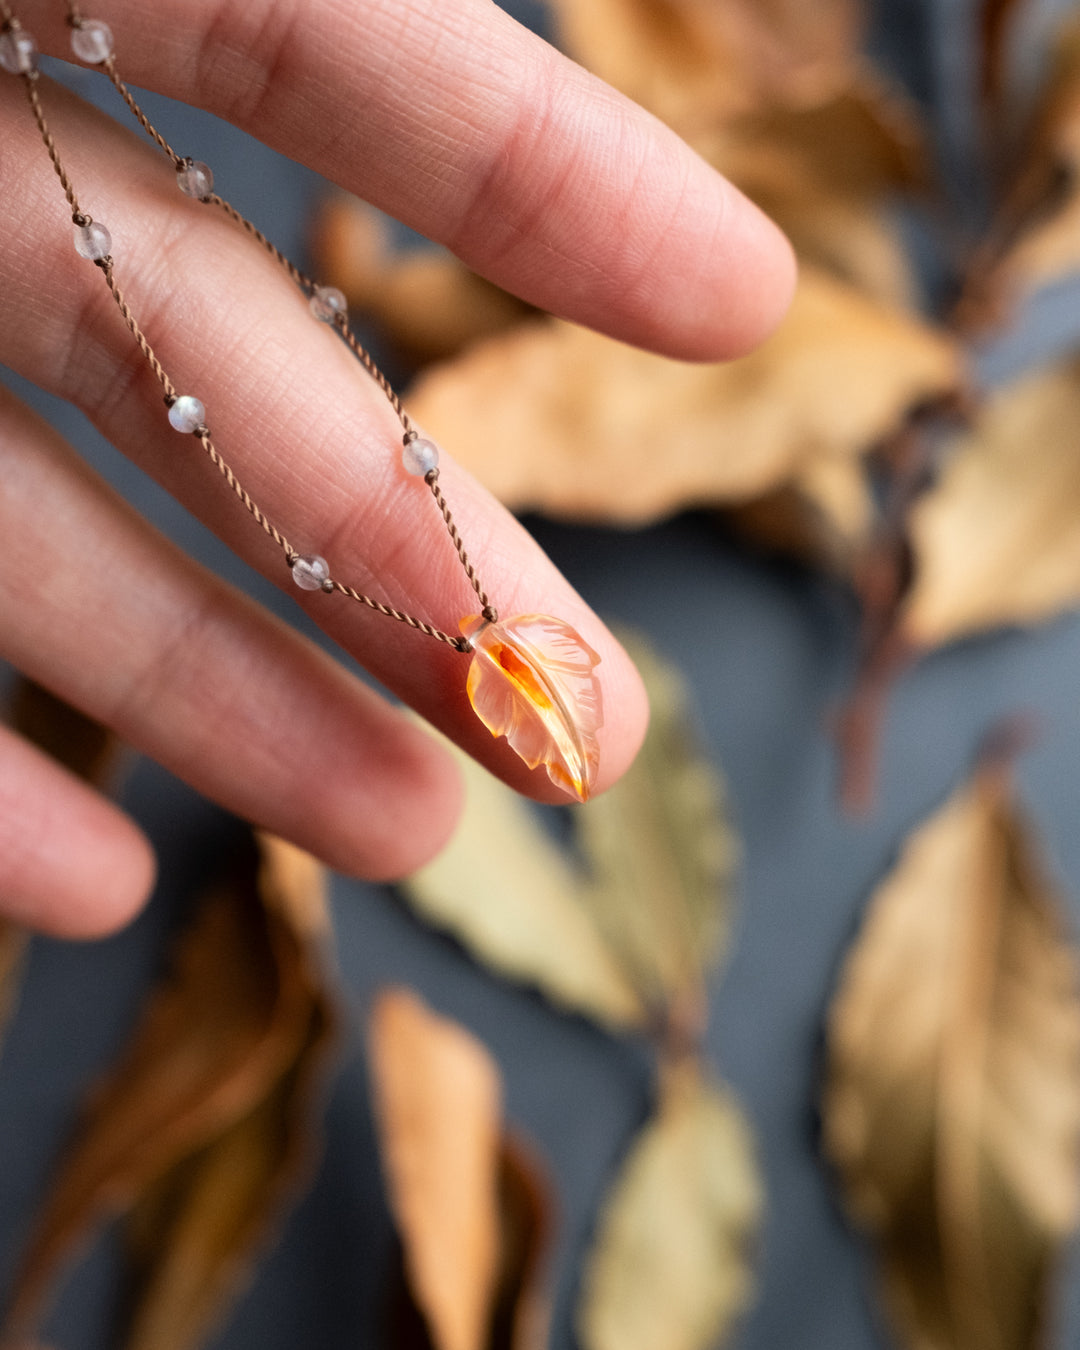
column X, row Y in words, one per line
column 420, row 456
column 310, row 573
column 196, row 179
column 92, row 41
column 92, row 241
column 187, row 413
column 327, row 302
column 18, row 51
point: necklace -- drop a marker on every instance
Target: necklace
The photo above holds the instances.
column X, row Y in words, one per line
column 531, row 678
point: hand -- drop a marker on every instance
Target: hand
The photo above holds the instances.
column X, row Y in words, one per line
column 453, row 118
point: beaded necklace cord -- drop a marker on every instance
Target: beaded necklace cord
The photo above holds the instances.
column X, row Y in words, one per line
column 532, row 677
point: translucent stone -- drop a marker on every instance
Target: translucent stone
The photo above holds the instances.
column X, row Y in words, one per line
column 92, row 41
column 420, row 456
column 93, row 241
column 327, row 302
column 187, row 413
column 196, row 179
column 18, row 51
column 310, row 573
column 532, row 679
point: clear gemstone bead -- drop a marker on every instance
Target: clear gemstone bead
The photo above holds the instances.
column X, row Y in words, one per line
column 18, row 51
column 92, row 41
column 327, row 302
column 187, row 413
column 196, row 179
column 420, row 456
column 310, row 573
column 92, row 241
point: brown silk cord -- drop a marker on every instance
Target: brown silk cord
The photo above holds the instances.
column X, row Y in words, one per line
column 10, row 23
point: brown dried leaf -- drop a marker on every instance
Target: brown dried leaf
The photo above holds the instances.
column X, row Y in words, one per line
column 867, row 140
column 468, row 1204
column 223, row 1061
column 426, row 302
column 82, row 745
column 670, row 1267
column 694, row 62
column 14, row 941
column 997, row 19
column 998, row 540
column 829, row 174
column 952, row 1099
column 563, row 420
column 1037, row 236
column 197, row 1232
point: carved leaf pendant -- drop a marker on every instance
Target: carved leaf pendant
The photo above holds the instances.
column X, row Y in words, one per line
column 531, row 680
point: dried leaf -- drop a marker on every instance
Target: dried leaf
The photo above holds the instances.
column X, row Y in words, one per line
column 196, row 1233
column 14, row 941
column 467, row 1203
column 789, row 523
column 82, row 745
column 661, row 857
column 531, row 680
column 670, row 1266
column 504, row 888
column 221, row 1065
column 560, row 419
column 1036, row 239
column 427, row 303
column 998, row 540
column 952, row 1100
column 521, row 1314
column 829, row 175
column 997, row 20
column 628, row 938
column 693, row 62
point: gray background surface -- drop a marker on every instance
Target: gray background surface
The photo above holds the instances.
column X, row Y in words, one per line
column 768, row 651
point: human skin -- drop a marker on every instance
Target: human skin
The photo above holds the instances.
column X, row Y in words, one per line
column 467, row 127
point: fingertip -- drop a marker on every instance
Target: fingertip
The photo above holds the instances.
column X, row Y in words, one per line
column 72, row 864
column 754, row 277
column 117, row 882
column 729, row 282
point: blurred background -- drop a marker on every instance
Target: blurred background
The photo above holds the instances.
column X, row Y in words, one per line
column 784, row 628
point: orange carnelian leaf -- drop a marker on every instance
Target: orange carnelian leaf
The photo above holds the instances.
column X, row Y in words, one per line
column 531, row 680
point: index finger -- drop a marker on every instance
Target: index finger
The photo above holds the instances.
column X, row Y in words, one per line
column 472, row 130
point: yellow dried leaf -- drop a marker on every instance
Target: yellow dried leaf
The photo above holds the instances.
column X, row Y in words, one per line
column 628, row 938
column 241, row 1014
column 563, row 420
column 670, row 1265
column 952, row 1097
column 504, row 889
column 997, row 541
column 661, row 856
column 465, row 1200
